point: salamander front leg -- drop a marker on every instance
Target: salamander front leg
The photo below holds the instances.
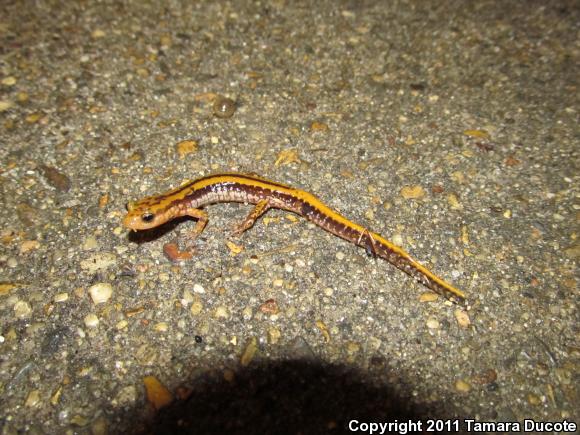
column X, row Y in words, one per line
column 260, row 208
column 171, row 249
column 202, row 220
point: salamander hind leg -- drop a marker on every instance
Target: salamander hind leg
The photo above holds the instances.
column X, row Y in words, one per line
column 367, row 241
column 261, row 207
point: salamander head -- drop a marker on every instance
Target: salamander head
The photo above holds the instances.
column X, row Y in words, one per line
column 148, row 213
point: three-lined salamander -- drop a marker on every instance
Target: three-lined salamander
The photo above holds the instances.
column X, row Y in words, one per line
column 189, row 199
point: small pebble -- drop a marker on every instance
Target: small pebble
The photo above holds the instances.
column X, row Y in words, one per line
column 5, row 105
column 79, row 420
column 485, row 377
column 462, row 318
column 9, row 81
column 29, row 245
column 198, row 288
column 432, row 323
column 196, row 308
column 462, row 386
column 90, row 244
column 98, row 261
column 221, row 312
column 22, row 309
column 412, row 192
column 100, row 426
column 224, row 107
column 247, row 313
column 249, row 352
column 186, row 298
column 101, row 292
column 533, row 399
column 55, row 398
column 352, row 348
column 428, row 297
column 61, row 297
column 33, row 399
column 91, row 320
column 33, row 118
column 98, row 33
column 454, row 202
column 126, row 396
column 397, row 239
column 161, row 327
column 274, row 335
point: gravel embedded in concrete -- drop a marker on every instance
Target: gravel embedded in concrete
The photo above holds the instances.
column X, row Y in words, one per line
column 449, row 127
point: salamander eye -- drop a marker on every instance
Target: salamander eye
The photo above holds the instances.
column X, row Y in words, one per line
column 147, row 217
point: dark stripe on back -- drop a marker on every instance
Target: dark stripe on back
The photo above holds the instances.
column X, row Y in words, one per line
column 247, row 177
column 187, row 186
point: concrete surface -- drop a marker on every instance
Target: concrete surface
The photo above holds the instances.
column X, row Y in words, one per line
column 449, row 127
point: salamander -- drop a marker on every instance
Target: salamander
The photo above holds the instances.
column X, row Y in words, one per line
column 191, row 197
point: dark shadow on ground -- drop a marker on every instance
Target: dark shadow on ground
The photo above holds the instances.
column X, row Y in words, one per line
column 288, row 397
column 147, row 236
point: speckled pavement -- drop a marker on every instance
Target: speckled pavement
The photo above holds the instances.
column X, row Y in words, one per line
column 450, row 127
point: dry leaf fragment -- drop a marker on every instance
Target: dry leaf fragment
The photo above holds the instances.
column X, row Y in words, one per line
column 186, row 147
column 173, row 254
column 55, row 178
column 512, row 161
column 412, row 192
column 285, row 157
column 319, row 126
column 206, row 97
column 7, row 287
column 234, row 249
column 270, row 307
column 29, row 245
column 428, row 297
column 103, row 200
column 323, row 329
column 157, row 394
column 476, row 133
